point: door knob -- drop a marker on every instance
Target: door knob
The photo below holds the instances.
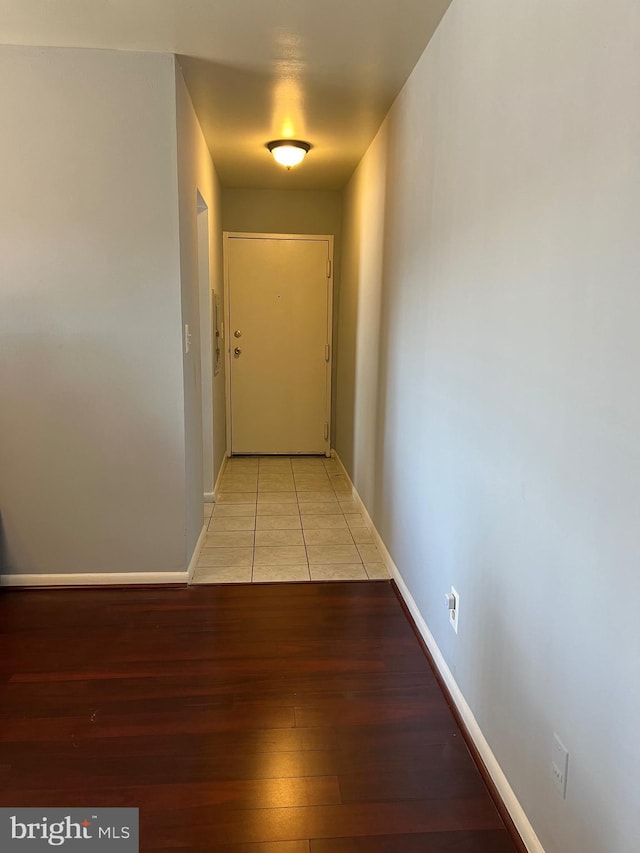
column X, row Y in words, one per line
column 237, row 351
column 237, row 333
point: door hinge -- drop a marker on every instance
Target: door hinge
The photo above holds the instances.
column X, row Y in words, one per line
column 328, row 267
column 327, row 352
column 326, row 432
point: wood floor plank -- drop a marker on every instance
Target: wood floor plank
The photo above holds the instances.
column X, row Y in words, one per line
column 82, row 767
column 298, row 718
column 287, row 689
column 265, row 847
column 359, row 819
column 267, row 793
column 475, row 841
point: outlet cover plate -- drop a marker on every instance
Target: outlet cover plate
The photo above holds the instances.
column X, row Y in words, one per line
column 454, row 613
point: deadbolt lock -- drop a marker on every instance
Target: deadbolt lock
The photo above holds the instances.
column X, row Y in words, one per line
column 237, row 351
column 237, row 333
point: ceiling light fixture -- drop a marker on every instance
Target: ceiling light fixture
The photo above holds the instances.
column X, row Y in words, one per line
column 288, row 152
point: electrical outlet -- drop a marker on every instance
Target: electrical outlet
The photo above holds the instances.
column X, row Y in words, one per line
column 454, row 612
column 559, row 765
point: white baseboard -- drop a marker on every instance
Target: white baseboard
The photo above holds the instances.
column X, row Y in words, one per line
column 211, row 497
column 518, row 816
column 95, row 579
column 193, row 562
column 216, row 488
column 108, row 578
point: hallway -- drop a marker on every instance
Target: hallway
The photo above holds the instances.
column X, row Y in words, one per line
column 280, row 518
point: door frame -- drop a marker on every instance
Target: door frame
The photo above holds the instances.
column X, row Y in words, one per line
column 205, row 298
column 229, row 235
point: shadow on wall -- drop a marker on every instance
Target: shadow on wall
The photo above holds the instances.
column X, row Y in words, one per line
column 92, row 462
column 386, row 306
column 400, row 368
column 363, row 342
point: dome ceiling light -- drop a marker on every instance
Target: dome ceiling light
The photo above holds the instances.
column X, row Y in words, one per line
column 288, row 152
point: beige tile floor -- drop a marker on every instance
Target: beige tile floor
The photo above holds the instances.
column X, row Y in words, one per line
column 286, row 518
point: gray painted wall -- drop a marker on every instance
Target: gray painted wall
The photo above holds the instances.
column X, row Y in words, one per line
column 91, row 412
column 488, row 337
column 196, row 174
column 282, row 211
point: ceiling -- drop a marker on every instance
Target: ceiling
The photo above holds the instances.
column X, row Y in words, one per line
column 257, row 70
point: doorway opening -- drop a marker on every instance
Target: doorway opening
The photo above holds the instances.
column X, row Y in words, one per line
column 206, row 345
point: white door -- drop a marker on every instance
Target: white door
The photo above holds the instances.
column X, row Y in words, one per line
column 279, row 339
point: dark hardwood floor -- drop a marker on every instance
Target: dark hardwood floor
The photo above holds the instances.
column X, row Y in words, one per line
column 300, row 718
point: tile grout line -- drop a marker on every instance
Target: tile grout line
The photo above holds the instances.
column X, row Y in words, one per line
column 304, row 541
column 255, row 524
column 243, row 472
column 304, row 538
column 355, row 544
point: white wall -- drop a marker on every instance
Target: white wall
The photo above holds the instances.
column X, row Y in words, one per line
column 91, row 409
column 196, row 174
column 490, row 340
